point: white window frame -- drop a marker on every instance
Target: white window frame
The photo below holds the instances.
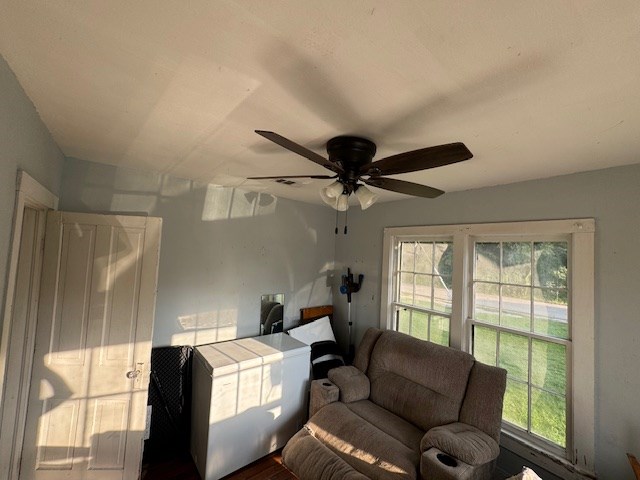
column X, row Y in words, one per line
column 580, row 233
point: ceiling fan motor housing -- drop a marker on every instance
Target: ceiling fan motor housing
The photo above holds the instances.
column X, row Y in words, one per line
column 352, row 153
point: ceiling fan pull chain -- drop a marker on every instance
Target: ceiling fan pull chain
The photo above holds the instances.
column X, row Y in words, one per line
column 336, row 222
column 346, row 218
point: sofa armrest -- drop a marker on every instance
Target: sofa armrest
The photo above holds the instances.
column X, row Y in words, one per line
column 462, row 441
column 353, row 384
column 323, row 392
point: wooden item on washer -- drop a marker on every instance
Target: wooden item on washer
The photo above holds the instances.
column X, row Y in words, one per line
column 309, row 314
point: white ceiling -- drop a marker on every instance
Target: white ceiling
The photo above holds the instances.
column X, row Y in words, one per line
column 534, row 89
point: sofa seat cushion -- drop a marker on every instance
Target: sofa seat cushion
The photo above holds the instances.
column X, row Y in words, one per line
column 394, row 426
column 365, row 447
column 311, row 460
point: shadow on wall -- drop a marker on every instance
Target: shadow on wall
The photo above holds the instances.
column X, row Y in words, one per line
column 222, row 248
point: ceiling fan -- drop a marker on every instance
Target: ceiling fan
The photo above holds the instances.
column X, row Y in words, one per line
column 350, row 159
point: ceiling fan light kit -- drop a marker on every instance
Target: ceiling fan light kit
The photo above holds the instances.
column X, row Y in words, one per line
column 331, row 194
column 334, row 190
column 342, row 205
column 365, row 196
column 339, row 203
column 336, row 195
column 350, row 159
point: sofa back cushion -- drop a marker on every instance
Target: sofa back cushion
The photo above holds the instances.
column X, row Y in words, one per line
column 420, row 381
column 363, row 352
column 482, row 407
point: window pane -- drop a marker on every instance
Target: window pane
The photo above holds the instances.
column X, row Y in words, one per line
column 487, row 262
column 424, row 257
column 407, row 250
column 484, row 345
column 404, row 321
column 423, row 291
column 420, row 325
column 486, row 302
column 550, row 264
column 516, row 263
column 516, row 307
column 552, row 296
column 406, row 288
column 551, row 316
column 551, row 312
column 441, row 296
column 548, row 416
column 516, row 404
column 443, row 261
column 549, row 366
column 514, row 355
column 440, row 330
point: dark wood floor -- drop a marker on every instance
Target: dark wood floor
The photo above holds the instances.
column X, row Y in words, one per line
column 181, row 467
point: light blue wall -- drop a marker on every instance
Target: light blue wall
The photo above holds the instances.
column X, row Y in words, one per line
column 26, row 144
column 222, row 248
column 610, row 196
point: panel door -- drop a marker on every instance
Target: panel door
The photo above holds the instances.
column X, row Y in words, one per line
column 87, row 402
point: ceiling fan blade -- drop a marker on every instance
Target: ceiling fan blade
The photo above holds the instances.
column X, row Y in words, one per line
column 421, row 159
column 300, row 150
column 402, row 186
column 321, row 177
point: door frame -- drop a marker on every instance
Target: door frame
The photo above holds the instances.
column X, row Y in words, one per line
column 15, row 373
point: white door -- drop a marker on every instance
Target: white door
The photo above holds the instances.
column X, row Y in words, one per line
column 87, row 401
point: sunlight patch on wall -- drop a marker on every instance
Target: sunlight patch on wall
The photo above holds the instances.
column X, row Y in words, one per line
column 327, row 267
column 131, row 202
column 313, row 234
column 91, row 198
column 131, row 180
column 206, row 327
column 175, row 187
column 265, row 204
column 223, row 203
column 276, row 412
column 46, row 390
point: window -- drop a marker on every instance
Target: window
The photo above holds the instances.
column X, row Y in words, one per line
column 517, row 295
column 422, row 299
column 520, row 322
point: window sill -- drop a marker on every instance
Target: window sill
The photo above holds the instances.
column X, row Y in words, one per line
column 558, row 466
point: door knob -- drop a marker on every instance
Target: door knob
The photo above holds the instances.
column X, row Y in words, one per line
column 137, row 376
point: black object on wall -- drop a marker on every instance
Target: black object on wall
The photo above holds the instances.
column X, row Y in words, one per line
column 170, row 400
column 348, row 288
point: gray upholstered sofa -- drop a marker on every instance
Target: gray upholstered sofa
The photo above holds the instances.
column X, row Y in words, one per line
column 406, row 409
